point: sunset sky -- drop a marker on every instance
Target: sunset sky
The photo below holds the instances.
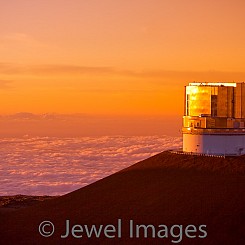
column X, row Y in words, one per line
column 115, row 57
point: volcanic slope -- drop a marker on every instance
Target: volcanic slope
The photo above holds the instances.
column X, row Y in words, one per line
column 166, row 189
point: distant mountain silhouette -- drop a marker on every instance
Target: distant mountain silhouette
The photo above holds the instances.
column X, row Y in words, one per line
column 166, row 189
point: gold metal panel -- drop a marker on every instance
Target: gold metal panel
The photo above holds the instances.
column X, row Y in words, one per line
column 198, row 100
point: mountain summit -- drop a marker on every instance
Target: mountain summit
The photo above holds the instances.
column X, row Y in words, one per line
column 166, row 199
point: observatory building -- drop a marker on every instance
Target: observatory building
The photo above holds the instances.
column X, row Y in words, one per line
column 214, row 118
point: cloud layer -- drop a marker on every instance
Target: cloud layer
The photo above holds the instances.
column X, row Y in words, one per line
column 55, row 166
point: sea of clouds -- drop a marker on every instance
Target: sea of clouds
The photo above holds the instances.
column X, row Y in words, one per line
column 55, row 166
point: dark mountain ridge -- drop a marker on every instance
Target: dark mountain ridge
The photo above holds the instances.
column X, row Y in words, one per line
column 170, row 194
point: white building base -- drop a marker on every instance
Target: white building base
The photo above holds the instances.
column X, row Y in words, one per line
column 214, row 144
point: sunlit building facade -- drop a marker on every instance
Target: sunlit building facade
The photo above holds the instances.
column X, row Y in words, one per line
column 214, row 118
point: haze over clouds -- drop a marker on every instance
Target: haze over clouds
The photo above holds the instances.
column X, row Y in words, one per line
column 55, row 166
column 77, row 125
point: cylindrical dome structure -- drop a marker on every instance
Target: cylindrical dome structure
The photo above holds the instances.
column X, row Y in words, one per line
column 214, row 118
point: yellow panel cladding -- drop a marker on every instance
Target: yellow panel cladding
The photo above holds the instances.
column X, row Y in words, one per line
column 243, row 99
column 238, row 101
column 225, row 102
column 199, row 100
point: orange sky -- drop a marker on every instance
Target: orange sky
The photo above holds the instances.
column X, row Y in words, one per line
column 125, row 57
